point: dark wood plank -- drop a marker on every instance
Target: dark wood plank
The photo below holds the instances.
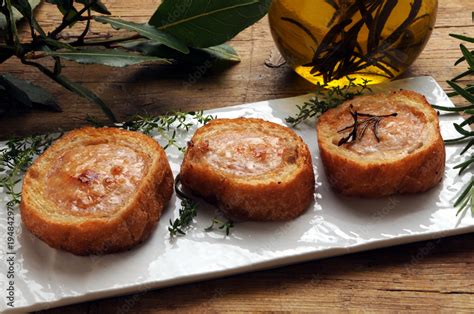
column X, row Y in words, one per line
column 157, row 89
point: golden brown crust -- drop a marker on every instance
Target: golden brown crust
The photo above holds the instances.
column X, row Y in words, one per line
column 121, row 230
column 413, row 172
column 279, row 194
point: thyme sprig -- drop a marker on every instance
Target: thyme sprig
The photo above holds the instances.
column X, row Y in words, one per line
column 15, row 158
column 167, row 126
column 359, row 127
column 326, row 99
column 18, row 154
column 222, row 225
column 466, row 196
column 188, row 212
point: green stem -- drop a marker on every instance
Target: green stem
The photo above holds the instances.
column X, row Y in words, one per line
column 73, row 87
column 452, row 109
column 15, row 41
column 80, row 39
column 107, row 42
column 67, row 22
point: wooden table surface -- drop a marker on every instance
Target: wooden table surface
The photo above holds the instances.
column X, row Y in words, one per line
column 437, row 275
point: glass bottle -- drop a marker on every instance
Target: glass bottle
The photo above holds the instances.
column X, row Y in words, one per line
column 327, row 40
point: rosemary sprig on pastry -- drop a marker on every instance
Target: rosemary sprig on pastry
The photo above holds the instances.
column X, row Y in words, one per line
column 359, row 127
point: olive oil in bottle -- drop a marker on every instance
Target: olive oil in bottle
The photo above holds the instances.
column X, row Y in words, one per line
column 326, row 41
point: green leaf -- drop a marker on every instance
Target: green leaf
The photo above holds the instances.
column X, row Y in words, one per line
column 66, row 7
column 56, row 43
column 28, row 94
column 472, row 202
column 26, row 9
column 223, row 52
column 463, row 74
column 206, row 23
column 469, row 97
column 452, row 109
column 74, row 87
column 460, row 60
column 148, row 31
column 98, row 6
column 462, row 37
column 463, row 131
column 23, row 6
column 85, row 93
column 219, row 54
column 464, row 194
column 110, row 57
column 16, row 14
column 9, row 84
column 468, row 56
column 63, row 5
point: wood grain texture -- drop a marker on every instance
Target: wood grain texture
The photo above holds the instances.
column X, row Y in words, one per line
column 157, row 89
column 427, row 276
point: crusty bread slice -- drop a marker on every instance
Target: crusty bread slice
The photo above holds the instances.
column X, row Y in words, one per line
column 96, row 191
column 252, row 169
column 402, row 152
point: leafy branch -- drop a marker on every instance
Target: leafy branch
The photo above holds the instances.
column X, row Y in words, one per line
column 176, row 32
column 465, row 199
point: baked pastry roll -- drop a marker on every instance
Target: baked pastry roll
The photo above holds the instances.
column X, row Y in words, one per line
column 250, row 168
column 97, row 191
column 382, row 144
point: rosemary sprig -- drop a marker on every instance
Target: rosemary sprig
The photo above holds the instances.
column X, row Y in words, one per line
column 359, row 127
column 327, row 99
column 339, row 54
column 466, row 196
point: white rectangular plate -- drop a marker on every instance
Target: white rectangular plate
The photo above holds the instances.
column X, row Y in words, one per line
column 334, row 225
